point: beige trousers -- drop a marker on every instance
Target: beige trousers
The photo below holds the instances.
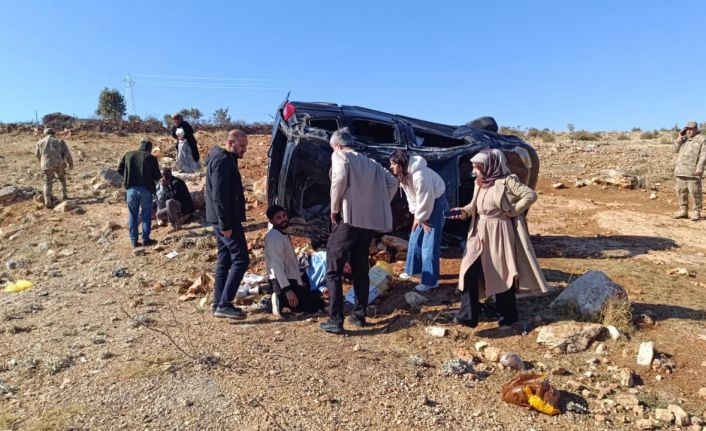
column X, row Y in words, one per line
column 689, row 186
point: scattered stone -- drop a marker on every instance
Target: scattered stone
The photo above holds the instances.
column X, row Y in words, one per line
column 456, row 367
column 415, row 300
column 681, row 417
column 644, row 424
column 111, row 176
column 260, row 189
column 8, row 194
column 664, row 415
column 613, row 332
column 646, row 353
column 627, row 400
column 480, row 345
column 492, row 354
column 627, row 377
column 600, row 418
column 356, row 348
column 107, row 355
column 569, row 337
column 644, row 320
column 588, row 294
column 138, row 251
column 581, row 183
column 512, row 360
column 435, row 331
column 120, row 273
column 56, row 364
column 113, row 225
column 653, row 195
column 658, row 378
column 702, row 393
column 65, row 207
column 601, row 349
column 558, row 186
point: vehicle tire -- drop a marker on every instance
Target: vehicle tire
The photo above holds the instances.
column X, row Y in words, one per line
column 485, row 123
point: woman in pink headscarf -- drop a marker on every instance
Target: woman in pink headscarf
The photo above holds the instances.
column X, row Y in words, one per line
column 498, row 259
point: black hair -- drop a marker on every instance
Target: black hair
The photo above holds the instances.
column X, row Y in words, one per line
column 273, row 210
column 401, row 159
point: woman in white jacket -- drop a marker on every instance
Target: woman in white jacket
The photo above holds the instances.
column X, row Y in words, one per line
column 425, row 191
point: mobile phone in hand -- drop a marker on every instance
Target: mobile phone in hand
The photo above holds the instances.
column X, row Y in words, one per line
column 452, row 213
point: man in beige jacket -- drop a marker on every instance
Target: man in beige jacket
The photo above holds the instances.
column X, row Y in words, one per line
column 361, row 191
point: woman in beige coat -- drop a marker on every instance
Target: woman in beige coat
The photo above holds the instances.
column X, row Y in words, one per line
column 498, row 259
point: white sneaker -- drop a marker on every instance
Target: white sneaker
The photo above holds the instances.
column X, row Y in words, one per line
column 276, row 308
column 424, row 288
column 405, row 276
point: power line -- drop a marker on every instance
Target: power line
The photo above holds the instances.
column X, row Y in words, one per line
column 204, row 78
column 206, row 85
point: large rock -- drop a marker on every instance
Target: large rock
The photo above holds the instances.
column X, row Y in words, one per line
column 569, row 337
column 259, row 189
column 8, row 194
column 112, row 177
column 681, row 417
column 588, row 294
column 65, row 207
column 646, row 353
column 617, row 178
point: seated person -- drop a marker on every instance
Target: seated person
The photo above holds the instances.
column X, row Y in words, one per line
column 283, row 268
column 174, row 202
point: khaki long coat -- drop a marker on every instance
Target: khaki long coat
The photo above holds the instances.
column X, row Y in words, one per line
column 515, row 198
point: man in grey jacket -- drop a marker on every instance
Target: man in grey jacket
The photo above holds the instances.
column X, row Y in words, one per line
column 361, row 191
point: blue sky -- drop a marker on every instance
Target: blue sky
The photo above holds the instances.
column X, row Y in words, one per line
column 599, row 64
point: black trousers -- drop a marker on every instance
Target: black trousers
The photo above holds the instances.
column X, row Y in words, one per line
column 309, row 300
column 346, row 241
column 470, row 305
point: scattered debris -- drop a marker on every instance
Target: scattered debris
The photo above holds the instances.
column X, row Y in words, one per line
column 18, row 286
column 65, row 207
column 558, row 186
column 435, row 331
column 681, row 418
column 120, row 273
column 201, row 286
column 613, row 332
column 491, row 354
column 417, row 361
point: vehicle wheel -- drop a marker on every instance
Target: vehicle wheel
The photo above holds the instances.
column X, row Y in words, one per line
column 485, row 123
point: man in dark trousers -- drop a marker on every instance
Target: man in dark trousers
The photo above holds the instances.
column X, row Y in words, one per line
column 180, row 123
column 225, row 210
column 174, row 202
column 361, row 191
column 140, row 171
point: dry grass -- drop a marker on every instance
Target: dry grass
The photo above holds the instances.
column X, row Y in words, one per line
column 58, row 418
column 617, row 312
column 7, row 420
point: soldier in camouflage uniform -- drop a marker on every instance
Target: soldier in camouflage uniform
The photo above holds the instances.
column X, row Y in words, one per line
column 691, row 159
column 54, row 158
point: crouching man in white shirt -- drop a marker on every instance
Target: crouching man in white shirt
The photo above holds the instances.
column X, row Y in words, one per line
column 283, row 269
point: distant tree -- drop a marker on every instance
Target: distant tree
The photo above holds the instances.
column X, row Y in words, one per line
column 571, row 127
column 111, row 105
column 185, row 113
column 195, row 114
column 133, row 118
column 168, row 119
column 702, row 126
column 221, row 117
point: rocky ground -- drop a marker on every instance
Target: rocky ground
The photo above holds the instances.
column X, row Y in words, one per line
column 103, row 341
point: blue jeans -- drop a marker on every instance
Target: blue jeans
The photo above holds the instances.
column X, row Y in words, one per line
column 139, row 198
column 424, row 249
column 231, row 264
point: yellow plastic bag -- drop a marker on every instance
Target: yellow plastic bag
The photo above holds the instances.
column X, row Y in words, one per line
column 19, row 286
column 539, row 404
column 532, row 390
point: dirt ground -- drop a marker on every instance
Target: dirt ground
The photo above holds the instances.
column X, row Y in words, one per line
column 84, row 349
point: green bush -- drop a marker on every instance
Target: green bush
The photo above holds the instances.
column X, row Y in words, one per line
column 583, row 135
column 623, row 137
column 649, row 135
column 636, row 129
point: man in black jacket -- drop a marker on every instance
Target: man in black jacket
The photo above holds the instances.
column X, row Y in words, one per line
column 225, row 210
column 174, row 202
column 179, row 122
column 140, row 171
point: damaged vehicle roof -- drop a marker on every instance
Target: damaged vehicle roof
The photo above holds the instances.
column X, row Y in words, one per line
column 300, row 159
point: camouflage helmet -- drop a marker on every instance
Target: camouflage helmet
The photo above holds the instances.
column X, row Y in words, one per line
column 692, row 125
column 48, row 131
